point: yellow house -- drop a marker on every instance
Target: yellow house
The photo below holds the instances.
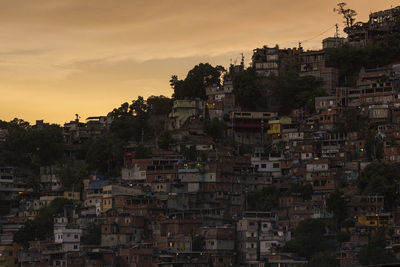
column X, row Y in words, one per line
column 274, row 127
column 276, row 123
column 111, row 191
column 375, row 220
column 107, row 203
column 75, row 196
column 9, row 255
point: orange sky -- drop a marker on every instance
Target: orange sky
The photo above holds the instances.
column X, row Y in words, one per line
column 59, row 57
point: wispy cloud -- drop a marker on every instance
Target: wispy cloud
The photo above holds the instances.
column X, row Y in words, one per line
column 103, row 52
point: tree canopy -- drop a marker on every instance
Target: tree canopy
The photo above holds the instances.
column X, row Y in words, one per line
column 264, row 199
column 247, row 88
column 215, row 128
column 293, row 91
column 326, row 259
column 374, row 252
column 196, row 81
column 309, row 239
column 349, row 60
column 336, row 203
column 92, row 235
column 42, row 226
column 347, row 13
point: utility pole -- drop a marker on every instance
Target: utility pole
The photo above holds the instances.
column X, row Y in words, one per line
column 262, row 132
column 336, row 35
column 337, row 31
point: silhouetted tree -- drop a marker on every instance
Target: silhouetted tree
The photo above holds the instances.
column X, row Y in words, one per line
column 196, row 81
column 247, row 88
column 309, row 239
column 336, row 203
column 347, row 13
column 326, row 259
column 374, row 252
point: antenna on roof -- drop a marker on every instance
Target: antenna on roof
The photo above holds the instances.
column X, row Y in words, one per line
column 337, row 31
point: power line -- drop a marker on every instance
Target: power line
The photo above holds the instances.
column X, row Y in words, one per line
column 330, row 28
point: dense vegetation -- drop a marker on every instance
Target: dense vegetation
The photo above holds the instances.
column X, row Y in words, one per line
column 41, row 227
column 377, row 53
column 196, row 81
column 276, row 93
column 309, row 239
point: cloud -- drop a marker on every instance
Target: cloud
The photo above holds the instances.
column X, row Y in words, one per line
column 92, row 55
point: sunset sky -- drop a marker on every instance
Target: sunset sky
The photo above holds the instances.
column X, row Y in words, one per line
column 61, row 57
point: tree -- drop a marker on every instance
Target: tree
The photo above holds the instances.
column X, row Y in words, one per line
column 164, row 140
column 215, row 128
column 336, row 203
column 72, row 174
column 326, row 259
column 159, row 105
column 105, row 155
column 158, row 108
column 130, row 122
column 142, row 152
column 196, row 81
column 349, row 60
column 347, row 13
column 265, row 199
column 292, row 91
column 138, row 108
column 372, row 179
column 309, row 239
column 343, row 237
column 247, row 88
column 353, row 121
column 374, row 252
column 199, row 242
column 46, row 144
column 17, row 147
column 305, row 191
column 379, row 178
column 42, row 226
column 92, row 236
